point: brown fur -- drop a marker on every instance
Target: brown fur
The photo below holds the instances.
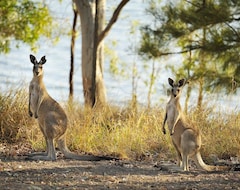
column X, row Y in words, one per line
column 186, row 137
column 51, row 117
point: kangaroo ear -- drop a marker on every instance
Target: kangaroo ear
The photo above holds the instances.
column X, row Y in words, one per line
column 43, row 60
column 171, row 82
column 181, row 82
column 33, row 59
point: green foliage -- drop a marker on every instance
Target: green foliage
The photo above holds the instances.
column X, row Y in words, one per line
column 116, row 66
column 209, row 30
column 24, row 21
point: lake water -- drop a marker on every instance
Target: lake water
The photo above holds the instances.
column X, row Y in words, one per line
column 15, row 67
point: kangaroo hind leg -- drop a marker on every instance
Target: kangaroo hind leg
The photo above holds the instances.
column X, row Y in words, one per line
column 61, row 141
column 50, row 155
column 179, row 156
column 185, row 161
column 189, row 146
column 38, row 153
column 67, row 153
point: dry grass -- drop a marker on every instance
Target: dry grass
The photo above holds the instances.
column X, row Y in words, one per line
column 120, row 132
column 220, row 133
column 117, row 132
column 14, row 118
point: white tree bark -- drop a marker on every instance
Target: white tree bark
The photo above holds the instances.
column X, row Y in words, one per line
column 86, row 9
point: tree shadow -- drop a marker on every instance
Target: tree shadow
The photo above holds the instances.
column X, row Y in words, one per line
column 72, row 174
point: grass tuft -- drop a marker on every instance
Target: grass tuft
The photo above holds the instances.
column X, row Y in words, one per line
column 122, row 132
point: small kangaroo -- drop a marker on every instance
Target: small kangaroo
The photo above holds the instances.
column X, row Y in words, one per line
column 51, row 117
column 186, row 138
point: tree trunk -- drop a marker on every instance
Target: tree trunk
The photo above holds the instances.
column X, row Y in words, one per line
column 86, row 9
column 202, row 68
column 71, row 72
column 151, row 83
column 200, row 94
column 189, row 89
column 100, row 95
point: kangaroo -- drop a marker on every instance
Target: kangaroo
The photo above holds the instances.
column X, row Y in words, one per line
column 186, row 137
column 51, row 118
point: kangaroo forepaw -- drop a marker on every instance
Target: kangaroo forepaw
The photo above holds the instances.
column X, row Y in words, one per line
column 164, row 131
column 30, row 114
column 172, row 133
column 36, row 116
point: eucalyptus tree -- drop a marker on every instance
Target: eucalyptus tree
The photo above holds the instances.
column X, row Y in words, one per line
column 93, row 47
column 23, row 21
column 209, row 31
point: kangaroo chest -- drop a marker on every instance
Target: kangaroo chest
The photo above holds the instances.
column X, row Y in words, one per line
column 172, row 114
column 35, row 95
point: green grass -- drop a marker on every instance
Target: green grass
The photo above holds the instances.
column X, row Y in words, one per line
column 122, row 132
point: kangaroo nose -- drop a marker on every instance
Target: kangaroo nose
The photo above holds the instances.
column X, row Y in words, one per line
column 37, row 73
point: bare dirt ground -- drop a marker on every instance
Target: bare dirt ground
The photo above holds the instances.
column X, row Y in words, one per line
column 72, row 174
column 18, row 173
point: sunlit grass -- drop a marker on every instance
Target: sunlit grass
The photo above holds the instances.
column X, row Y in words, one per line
column 121, row 132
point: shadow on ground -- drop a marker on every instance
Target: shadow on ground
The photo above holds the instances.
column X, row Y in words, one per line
column 72, row 174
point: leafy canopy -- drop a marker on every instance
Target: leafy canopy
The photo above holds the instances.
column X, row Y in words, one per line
column 23, row 21
column 207, row 29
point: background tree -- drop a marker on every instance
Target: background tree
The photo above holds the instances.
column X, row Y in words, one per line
column 87, row 11
column 73, row 37
column 23, row 21
column 209, row 30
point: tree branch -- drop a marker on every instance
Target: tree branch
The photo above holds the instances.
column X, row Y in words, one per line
column 233, row 29
column 112, row 20
column 189, row 49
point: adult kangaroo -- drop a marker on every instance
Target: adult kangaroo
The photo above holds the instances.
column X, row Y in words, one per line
column 186, row 137
column 51, row 117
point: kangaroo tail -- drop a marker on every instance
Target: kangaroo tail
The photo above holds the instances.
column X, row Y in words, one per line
column 201, row 164
column 70, row 155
